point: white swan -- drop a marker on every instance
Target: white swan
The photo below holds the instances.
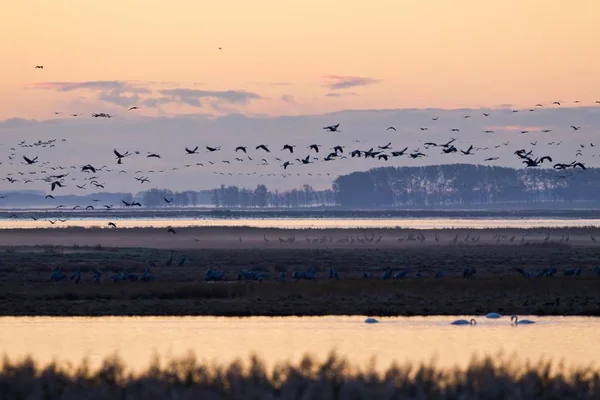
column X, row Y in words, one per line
column 521, row 322
column 464, row 322
column 371, row 321
column 493, row 315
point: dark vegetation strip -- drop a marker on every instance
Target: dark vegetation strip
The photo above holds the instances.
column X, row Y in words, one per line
column 334, row 378
column 25, row 288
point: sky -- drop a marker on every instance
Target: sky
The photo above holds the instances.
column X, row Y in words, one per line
column 243, row 72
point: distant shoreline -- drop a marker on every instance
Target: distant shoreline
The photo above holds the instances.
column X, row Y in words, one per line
column 187, row 213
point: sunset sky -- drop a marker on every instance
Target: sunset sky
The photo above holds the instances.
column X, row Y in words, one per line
column 286, row 69
column 294, row 57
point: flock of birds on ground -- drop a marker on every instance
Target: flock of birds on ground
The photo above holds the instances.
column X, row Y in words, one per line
column 312, row 273
column 287, row 156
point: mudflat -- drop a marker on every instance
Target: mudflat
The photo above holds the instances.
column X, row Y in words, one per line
column 433, row 262
column 281, row 238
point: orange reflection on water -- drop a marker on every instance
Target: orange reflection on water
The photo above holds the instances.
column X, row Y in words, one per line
column 223, row 339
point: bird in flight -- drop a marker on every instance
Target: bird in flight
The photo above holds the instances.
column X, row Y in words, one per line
column 194, row 151
column 55, row 184
column 468, row 151
column 391, row 128
column 133, row 108
column 264, row 147
column 332, row 128
column 39, row 67
column 120, row 156
column 289, row 147
column 29, row 160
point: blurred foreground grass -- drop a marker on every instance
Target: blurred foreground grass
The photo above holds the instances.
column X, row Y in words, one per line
column 334, row 378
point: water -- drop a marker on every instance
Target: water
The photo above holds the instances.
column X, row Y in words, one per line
column 416, row 339
column 309, row 223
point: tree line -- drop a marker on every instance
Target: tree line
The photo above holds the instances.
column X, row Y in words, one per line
column 464, row 185
column 435, row 186
column 232, row 197
column 261, row 197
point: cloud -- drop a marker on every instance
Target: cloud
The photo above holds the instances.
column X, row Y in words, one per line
column 154, row 102
column 121, row 93
column 126, row 93
column 336, row 82
column 344, row 94
column 122, row 86
column 192, row 96
column 288, row 98
column 119, row 98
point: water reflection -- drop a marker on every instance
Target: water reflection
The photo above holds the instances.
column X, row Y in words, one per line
column 308, row 223
column 416, row 339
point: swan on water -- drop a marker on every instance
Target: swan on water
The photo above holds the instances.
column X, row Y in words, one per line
column 521, row 322
column 464, row 322
column 371, row 321
column 493, row 315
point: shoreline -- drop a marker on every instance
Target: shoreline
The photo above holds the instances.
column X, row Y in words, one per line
column 224, row 214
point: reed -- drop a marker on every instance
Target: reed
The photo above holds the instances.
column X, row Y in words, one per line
column 333, row 378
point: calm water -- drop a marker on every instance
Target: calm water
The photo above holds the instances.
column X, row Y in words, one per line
column 136, row 339
column 322, row 223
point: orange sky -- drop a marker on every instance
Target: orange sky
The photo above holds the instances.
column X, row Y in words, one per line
column 423, row 53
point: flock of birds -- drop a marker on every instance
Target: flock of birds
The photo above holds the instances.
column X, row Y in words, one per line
column 35, row 169
column 514, row 320
column 309, row 274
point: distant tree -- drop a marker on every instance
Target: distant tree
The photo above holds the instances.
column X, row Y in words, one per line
column 261, row 196
column 216, row 200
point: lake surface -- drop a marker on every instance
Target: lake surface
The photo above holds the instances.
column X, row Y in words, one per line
column 304, row 223
column 223, row 339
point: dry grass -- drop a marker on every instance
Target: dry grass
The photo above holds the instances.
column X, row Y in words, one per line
column 334, row 378
column 25, row 288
